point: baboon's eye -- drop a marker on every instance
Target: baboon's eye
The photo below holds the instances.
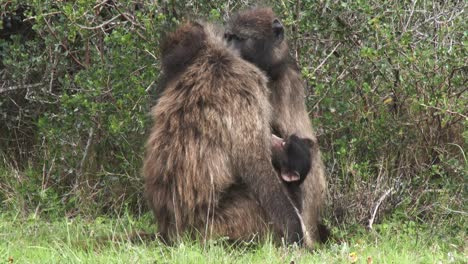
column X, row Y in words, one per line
column 237, row 38
column 228, row 36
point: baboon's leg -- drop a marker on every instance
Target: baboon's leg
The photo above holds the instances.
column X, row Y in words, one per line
column 241, row 220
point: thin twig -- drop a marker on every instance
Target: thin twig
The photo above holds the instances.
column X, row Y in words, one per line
column 454, row 211
column 445, row 110
column 85, row 154
column 151, row 54
column 18, row 87
column 410, row 16
column 101, row 25
column 62, row 44
column 42, row 15
column 149, row 86
column 377, row 205
column 326, row 58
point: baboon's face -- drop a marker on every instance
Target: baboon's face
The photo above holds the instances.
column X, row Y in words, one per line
column 292, row 157
column 256, row 45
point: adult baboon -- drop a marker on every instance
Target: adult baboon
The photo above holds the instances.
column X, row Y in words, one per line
column 259, row 36
column 292, row 160
column 208, row 168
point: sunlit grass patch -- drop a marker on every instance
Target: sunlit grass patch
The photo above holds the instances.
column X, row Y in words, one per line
column 105, row 240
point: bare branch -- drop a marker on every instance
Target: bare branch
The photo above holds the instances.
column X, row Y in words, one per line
column 42, row 15
column 410, row 16
column 377, row 205
column 101, row 25
column 445, row 110
column 62, row 43
column 85, row 154
column 326, row 58
column 19, row 87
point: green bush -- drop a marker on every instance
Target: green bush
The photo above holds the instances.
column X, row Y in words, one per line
column 386, row 89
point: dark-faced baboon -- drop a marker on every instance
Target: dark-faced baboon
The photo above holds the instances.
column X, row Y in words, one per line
column 208, row 168
column 292, row 160
column 292, row 157
column 259, row 36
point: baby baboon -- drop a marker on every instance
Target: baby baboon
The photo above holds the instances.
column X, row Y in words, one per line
column 259, row 36
column 292, row 160
column 291, row 157
column 208, row 167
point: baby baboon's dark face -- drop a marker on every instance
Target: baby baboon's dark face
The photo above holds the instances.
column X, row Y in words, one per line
column 292, row 157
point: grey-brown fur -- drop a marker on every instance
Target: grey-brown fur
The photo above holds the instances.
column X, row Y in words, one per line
column 258, row 35
column 208, row 166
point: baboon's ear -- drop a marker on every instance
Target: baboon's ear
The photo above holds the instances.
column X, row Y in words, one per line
column 278, row 29
column 277, row 142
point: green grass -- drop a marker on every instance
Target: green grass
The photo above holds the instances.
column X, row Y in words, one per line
column 35, row 240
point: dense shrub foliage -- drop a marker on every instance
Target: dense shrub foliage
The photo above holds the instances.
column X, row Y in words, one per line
column 386, row 92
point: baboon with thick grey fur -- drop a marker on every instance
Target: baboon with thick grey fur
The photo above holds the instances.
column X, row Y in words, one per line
column 207, row 168
column 259, row 37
